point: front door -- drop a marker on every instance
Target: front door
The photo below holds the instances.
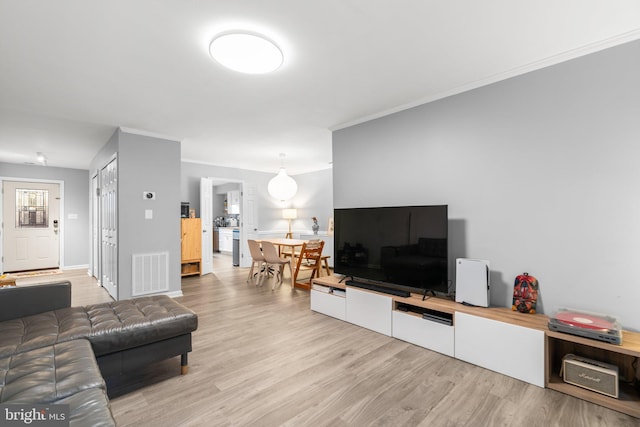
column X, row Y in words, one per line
column 31, row 217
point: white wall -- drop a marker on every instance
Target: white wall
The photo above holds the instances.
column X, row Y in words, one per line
column 314, row 197
column 539, row 171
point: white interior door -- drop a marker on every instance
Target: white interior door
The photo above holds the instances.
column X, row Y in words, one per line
column 31, row 217
column 249, row 221
column 95, row 229
column 109, row 228
column 206, row 219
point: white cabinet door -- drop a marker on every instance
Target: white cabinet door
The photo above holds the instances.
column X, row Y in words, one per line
column 369, row 310
column 226, row 240
column 329, row 304
column 509, row 349
column 233, row 202
column 425, row 333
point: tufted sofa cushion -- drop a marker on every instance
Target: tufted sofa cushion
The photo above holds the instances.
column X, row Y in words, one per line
column 48, row 374
column 89, row 408
column 110, row 327
column 64, row 373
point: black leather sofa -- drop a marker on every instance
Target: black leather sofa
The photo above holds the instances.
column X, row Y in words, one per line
column 52, row 353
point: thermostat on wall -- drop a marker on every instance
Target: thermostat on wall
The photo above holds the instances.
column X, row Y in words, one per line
column 149, row 195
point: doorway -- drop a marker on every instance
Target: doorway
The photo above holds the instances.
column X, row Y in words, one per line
column 31, row 225
column 219, row 208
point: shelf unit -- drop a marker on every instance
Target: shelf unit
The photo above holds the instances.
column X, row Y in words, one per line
column 191, row 246
column 624, row 356
column 477, row 334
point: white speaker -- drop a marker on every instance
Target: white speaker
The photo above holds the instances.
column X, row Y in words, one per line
column 472, row 281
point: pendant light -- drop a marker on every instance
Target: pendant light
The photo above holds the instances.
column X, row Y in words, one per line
column 282, row 186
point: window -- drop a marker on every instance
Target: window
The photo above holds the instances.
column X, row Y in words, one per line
column 32, row 208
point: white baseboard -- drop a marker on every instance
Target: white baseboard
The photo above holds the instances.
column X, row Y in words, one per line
column 174, row 294
column 74, row 267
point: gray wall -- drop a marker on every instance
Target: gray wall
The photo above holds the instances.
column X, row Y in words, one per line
column 76, row 190
column 145, row 164
column 314, row 197
column 539, row 171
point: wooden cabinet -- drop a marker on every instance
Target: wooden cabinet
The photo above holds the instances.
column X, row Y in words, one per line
column 626, row 357
column 191, row 240
column 511, row 343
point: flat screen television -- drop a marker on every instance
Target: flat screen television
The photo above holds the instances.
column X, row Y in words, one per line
column 398, row 247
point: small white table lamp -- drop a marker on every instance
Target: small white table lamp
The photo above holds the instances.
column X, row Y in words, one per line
column 289, row 214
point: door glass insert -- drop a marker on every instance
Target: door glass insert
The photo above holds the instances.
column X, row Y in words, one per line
column 32, row 208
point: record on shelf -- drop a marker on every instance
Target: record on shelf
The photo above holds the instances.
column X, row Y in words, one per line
column 584, row 320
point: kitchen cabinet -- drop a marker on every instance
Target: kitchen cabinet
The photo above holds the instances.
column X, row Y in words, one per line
column 225, row 243
column 233, row 202
column 216, row 239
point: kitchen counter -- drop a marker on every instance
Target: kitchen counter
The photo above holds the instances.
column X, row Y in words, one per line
column 225, row 238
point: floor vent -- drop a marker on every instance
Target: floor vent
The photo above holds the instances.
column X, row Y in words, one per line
column 150, row 273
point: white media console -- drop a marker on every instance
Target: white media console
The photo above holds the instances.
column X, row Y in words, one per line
column 511, row 343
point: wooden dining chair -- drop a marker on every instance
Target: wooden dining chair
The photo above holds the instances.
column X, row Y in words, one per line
column 272, row 259
column 310, row 258
column 257, row 258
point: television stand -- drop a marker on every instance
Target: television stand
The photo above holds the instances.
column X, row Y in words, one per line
column 379, row 288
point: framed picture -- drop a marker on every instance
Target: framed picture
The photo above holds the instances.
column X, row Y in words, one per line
column 330, row 227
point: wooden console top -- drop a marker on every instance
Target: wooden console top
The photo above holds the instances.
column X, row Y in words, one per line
column 631, row 340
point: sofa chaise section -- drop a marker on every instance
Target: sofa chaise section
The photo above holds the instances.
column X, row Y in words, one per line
column 125, row 335
column 52, row 353
column 63, row 373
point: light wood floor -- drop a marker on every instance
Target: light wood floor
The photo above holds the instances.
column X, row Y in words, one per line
column 263, row 358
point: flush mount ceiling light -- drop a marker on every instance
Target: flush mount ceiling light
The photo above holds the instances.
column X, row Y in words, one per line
column 42, row 159
column 246, row 52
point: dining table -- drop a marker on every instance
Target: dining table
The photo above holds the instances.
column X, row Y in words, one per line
column 286, row 243
column 293, row 244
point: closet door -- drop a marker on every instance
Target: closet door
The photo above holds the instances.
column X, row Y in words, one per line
column 206, row 214
column 109, row 227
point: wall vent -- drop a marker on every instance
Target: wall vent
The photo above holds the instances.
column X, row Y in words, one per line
column 150, row 273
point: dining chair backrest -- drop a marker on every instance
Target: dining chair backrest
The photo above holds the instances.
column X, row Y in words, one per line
column 254, row 249
column 312, row 249
column 311, row 254
column 270, row 252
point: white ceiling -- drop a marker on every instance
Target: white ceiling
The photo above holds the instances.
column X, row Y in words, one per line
column 72, row 71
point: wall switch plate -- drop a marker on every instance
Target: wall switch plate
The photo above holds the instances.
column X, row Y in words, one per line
column 148, row 214
column 148, row 195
